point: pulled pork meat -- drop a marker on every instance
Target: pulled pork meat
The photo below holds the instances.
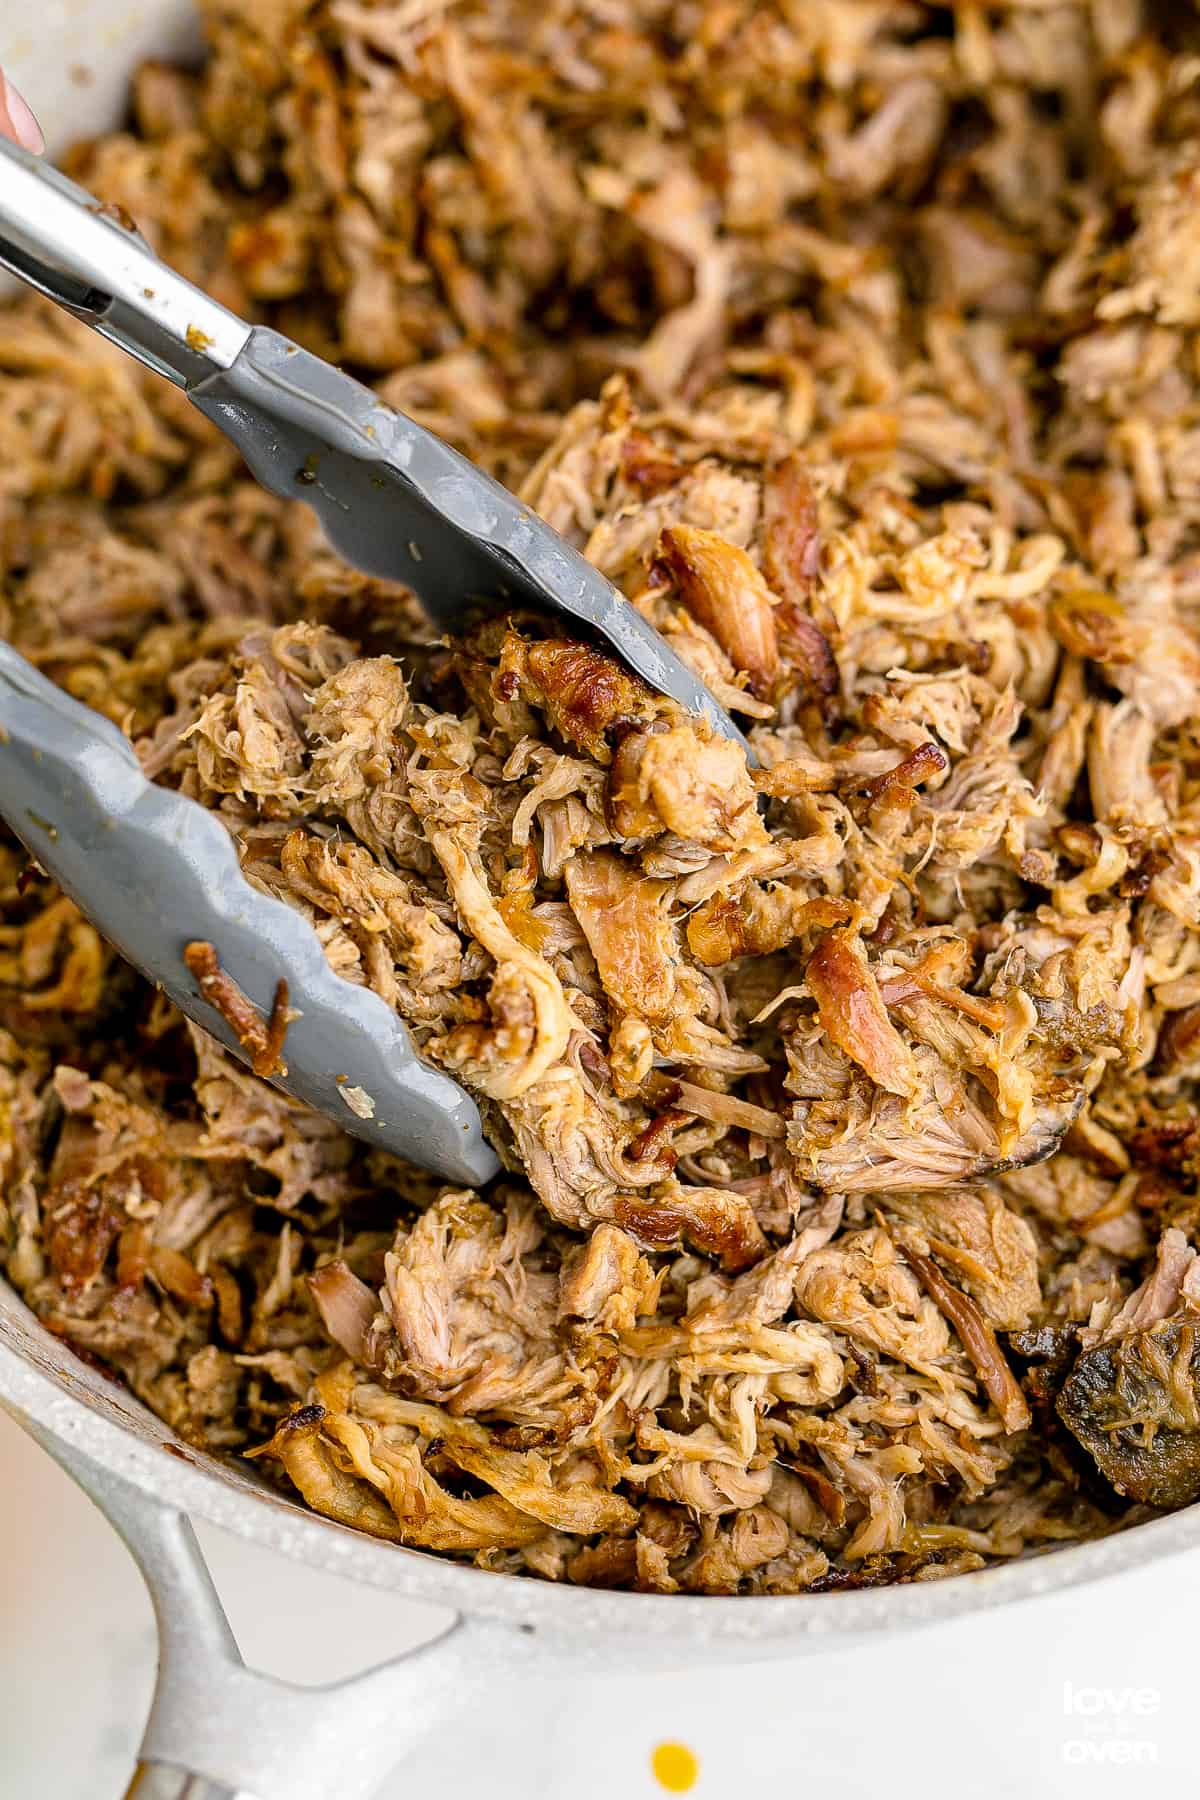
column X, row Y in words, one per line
column 847, row 1100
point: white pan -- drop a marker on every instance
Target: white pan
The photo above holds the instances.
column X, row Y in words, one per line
column 219, row 1731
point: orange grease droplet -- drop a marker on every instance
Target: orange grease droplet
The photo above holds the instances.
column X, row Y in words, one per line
column 675, row 1767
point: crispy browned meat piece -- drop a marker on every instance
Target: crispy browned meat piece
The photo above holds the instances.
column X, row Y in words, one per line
column 927, row 759
column 853, row 1015
column 584, row 695
column 727, row 593
column 263, row 1038
column 857, row 348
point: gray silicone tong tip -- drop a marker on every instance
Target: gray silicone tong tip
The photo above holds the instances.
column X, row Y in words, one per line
column 398, row 502
column 153, row 870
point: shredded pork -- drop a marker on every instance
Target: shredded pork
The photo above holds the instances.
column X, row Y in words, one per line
column 846, row 1101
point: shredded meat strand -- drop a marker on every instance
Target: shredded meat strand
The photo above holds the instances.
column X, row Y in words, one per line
column 979, row 1340
column 262, row 1038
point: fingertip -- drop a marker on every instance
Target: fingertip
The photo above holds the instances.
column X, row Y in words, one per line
column 25, row 128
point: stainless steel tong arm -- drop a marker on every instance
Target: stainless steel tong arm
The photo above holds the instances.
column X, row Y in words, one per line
column 393, row 499
column 62, row 241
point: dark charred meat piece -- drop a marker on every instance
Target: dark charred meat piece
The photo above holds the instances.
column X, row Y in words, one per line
column 1134, row 1404
column 881, row 1571
column 1055, row 1346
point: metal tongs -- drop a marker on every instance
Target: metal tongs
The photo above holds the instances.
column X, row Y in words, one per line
column 154, row 871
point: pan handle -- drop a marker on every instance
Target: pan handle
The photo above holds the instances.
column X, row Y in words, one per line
column 218, row 1730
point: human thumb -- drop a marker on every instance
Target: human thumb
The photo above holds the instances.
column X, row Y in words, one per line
column 16, row 120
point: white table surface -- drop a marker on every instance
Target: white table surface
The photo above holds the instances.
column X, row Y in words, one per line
column 1083, row 1695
